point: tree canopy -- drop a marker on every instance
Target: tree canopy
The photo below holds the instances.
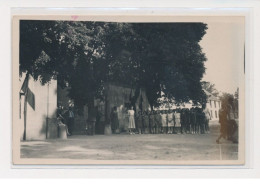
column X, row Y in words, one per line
column 228, row 100
column 165, row 59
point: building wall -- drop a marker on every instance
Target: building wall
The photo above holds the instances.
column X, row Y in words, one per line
column 214, row 106
column 45, row 107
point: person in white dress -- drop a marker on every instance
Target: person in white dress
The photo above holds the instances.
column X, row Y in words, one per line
column 170, row 121
column 177, row 117
column 164, row 121
column 131, row 125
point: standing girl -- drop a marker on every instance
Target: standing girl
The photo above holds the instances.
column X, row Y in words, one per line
column 164, row 121
column 170, row 121
column 131, row 125
column 177, row 117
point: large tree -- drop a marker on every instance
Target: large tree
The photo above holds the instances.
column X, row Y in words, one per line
column 168, row 61
column 159, row 57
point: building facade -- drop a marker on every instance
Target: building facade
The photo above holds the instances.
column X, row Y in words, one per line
column 213, row 105
column 37, row 109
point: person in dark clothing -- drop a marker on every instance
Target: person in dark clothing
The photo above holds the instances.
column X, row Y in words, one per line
column 114, row 120
column 152, row 122
column 139, row 122
column 202, row 121
column 146, row 122
column 158, row 122
column 193, row 120
column 223, row 124
column 188, row 123
column 183, row 121
column 69, row 115
column 199, row 120
column 59, row 111
column 231, row 124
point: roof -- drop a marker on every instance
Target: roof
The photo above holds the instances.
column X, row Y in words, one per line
column 211, row 96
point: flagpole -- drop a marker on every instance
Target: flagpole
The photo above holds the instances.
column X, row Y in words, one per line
column 25, row 104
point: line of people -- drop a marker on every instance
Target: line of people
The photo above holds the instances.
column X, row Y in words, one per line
column 172, row 121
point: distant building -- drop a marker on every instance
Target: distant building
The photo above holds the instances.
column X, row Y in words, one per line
column 213, row 104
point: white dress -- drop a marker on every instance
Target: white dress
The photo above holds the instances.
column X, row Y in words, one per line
column 170, row 120
column 131, row 114
column 177, row 119
column 164, row 120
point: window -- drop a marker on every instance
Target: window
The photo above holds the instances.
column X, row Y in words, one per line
column 215, row 104
column 211, row 114
column 216, row 114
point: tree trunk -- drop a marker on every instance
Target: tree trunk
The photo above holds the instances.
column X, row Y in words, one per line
column 91, row 108
column 106, row 104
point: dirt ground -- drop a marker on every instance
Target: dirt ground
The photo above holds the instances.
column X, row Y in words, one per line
column 134, row 147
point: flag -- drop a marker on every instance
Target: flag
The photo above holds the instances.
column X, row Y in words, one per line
column 31, row 98
column 28, row 93
column 25, row 84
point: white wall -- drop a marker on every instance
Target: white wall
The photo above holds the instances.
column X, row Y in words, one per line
column 214, row 106
column 45, row 105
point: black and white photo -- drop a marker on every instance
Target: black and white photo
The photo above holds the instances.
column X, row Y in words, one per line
column 109, row 90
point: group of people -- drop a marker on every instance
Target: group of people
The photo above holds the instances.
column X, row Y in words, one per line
column 172, row 121
column 66, row 118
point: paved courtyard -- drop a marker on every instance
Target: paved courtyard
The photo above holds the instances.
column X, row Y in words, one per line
column 134, row 147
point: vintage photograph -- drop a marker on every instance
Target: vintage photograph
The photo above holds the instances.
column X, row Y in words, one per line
column 128, row 90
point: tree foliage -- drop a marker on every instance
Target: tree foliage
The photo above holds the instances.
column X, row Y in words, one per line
column 228, row 100
column 159, row 57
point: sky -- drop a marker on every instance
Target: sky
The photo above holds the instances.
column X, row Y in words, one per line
column 223, row 45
